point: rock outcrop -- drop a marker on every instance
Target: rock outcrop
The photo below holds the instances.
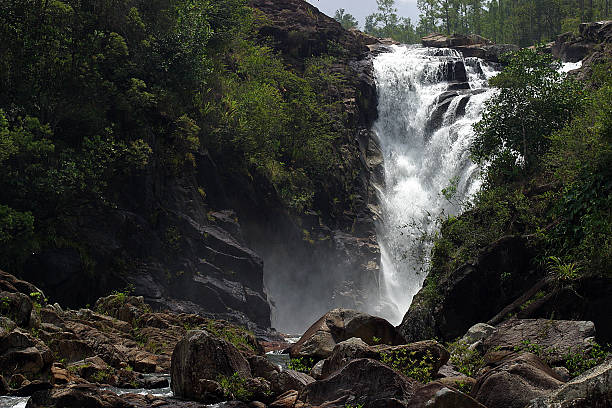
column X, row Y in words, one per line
column 470, row 46
column 329, row 255
column 176, row 237
column 570, row 47
column 556, row 338
column 473, row 293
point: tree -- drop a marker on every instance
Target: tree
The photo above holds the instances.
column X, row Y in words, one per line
column 534, row 100
column 347, row 20
column 386, row 23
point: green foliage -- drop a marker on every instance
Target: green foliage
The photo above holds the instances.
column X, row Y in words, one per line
column 409, row 363
column 301, row 364
column 468, row 361
column 238, row 336
column 38, row 300
column 563, row 272
column 534, row 100
column 235, row 387
column 584, row 358
column 100, row 376
column 580, row 159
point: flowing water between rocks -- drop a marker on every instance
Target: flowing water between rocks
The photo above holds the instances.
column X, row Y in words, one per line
column 428, row 100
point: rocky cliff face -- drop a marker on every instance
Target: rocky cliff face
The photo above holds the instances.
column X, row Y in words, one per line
column 188, row 252
column 327, row 257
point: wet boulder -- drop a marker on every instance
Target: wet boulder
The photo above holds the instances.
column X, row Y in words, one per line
column 341, row 324
column 200, row 358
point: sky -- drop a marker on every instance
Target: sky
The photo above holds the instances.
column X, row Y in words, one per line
column 361, row 8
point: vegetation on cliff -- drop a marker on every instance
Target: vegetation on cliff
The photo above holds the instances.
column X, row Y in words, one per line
column 95, row 92
column 546, row 160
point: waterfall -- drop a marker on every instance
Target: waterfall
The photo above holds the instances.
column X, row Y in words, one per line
column 428, row 100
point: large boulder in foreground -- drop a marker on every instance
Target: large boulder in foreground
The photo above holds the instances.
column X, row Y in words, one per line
column 592, row 389
column 556, row 338
column 342, row 324
column 515, row 381
column 200, row 359
column 363, row 382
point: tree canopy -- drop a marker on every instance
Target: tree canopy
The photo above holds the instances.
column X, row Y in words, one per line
column 521, row 22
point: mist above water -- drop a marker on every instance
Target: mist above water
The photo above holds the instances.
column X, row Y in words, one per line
column 424, row 152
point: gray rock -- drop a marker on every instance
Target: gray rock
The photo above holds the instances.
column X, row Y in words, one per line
column 477, row 332
column 17, row 307
column 289, row 380
column 355, row 348
column 472, row 293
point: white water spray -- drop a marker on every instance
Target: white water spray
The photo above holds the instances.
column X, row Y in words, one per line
column 424, row 132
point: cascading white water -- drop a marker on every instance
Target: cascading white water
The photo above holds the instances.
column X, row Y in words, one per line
column 424, row 132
